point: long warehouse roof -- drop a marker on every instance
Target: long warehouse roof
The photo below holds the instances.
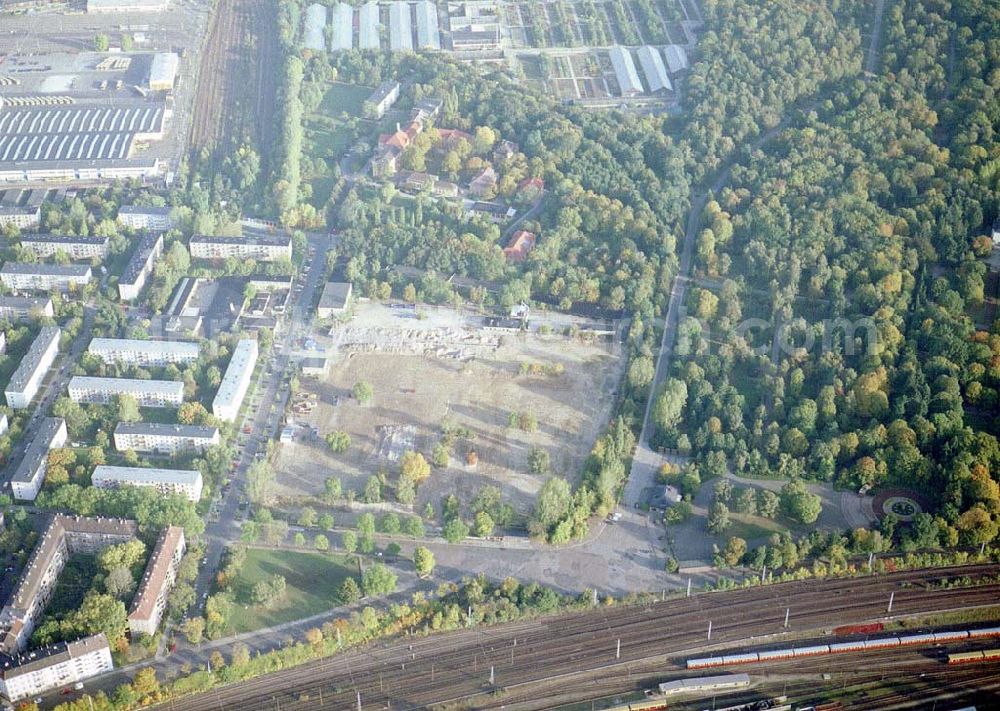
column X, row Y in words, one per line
column 653, row 68
column 628, row 77
column 315, row 23
column 368, row 26
column 343, row 27
column 428, row 36
column 400, row 27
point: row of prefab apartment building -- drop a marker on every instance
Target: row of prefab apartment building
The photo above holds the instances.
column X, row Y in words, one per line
column 26, row 381
column 25, row 276
column 27, row 672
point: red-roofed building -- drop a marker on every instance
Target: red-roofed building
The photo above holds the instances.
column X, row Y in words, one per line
column 450, row 137
column 530, row 189
column 521, row 243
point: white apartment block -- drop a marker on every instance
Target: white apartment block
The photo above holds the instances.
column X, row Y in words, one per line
column 65, row 536
column 155, row 219
column 61, row 664
column 150, row 600
column 21, row 217
column 186, row 482
column 30, row 473
column 236, row 381
column 148, row 393
column 21, row 276
column 131, row 351
column 140, row 266
column 28, row 377
column 43, row 246
column 22, row 308
column 163, row 438
column 262, row 249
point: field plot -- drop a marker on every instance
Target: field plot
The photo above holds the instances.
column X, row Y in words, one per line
column 312, row 582
column 445, row 368
column 327, row 132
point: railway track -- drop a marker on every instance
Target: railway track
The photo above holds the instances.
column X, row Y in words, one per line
column 572, row 650
column 242, row 44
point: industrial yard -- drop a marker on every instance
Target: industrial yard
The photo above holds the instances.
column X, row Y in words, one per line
column 441, row 369
column 613, row 52
column 97, row 97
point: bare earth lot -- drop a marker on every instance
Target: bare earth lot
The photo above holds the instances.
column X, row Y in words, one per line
column 443, row 367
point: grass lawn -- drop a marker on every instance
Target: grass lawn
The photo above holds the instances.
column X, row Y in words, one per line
column 344, row 97
column 325, row 140
column 322, row 186
column 751, row 527
column 312, row 583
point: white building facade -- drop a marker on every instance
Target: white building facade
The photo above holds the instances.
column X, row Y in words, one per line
column 21, row 276
column 63, row 664
column 30, row 473
column 74, row 247
column 28, row 377
column 186, row 482
column 155, row 219
column 147, row 393
column 132, row 351
column 164, row 438
column 22, row 308
column 150, row 600
column 236, row 381
column 262, row 249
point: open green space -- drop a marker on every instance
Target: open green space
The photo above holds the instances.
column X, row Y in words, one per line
column 752, row 527
column 312, row 585
column 344, row 97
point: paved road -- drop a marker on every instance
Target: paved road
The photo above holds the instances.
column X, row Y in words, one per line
column 876, row 39
column 263, row 417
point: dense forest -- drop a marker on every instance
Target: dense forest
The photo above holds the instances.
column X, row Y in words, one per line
column 854, row 240
column 835, row 329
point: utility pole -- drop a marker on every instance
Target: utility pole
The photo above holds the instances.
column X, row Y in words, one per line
column 871, row 557
column 492, row 678
column 689, row 587
column 787, row 611
column 891, row 596
column 618, row 649
column 763, row 574
column 359, row 701
column 710, row 629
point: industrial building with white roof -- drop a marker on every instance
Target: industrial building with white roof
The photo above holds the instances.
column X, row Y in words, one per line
column 342, row 25
column 314, row 26
column 625, row 72
column 654, row 69
column 368, row 23
column 400, row 27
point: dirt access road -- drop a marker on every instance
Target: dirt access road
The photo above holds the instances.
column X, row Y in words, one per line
column 238, row 78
